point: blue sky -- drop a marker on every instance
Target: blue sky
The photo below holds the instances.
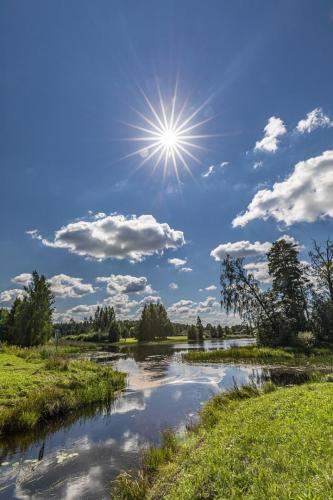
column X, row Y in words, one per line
column 71, row 74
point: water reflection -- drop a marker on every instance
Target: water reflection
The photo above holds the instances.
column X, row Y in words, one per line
column 79, row 456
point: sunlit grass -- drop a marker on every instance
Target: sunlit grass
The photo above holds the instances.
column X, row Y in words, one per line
column 263, row 355
column 39, row 384
column 277, row 445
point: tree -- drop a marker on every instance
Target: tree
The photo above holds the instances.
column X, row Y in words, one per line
column 192, row 333
column 30, row 319
column 114, row 332
column 219, row 332
column 241, row 295
column 289, row 284
column 322, row 266
column 200, row 329
column 154, row 323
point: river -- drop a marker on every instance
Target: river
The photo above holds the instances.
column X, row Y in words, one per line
column 78, row 457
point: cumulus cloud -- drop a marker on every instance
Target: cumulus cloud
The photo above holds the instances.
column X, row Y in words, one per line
column 186, row 311
column 173, row 286
column 185, row 270
column 177, row 262
column 315, row 119
column 66, row 286
column 274, row 129
column 22, row 279
column 304, row 196
column 259, row 271
column 62, row 285
column 10, row 295
column 150, row 299
column 240, row 249
column 121, row 303
column 115, row 237
column 125, row 284
column 207, row 305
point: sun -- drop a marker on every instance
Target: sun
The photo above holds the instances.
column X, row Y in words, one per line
column 168, row 135
column 169, row 138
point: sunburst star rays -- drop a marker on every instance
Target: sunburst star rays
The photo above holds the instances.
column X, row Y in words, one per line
column 168, row 136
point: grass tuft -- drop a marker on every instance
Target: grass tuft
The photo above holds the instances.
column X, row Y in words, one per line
column 36, row 387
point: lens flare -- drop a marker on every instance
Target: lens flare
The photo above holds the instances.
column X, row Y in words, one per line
column 168, row 135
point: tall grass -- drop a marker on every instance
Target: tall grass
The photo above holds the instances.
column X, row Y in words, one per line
column 252, row 353
column 37, row 386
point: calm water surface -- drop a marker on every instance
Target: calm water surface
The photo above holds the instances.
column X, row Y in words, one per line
column 78, row 457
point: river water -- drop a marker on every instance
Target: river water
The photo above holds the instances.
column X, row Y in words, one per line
column 77, row 458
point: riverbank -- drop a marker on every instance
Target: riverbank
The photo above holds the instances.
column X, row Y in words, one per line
column 247, row 445
column 38, row 384
column 318, row 357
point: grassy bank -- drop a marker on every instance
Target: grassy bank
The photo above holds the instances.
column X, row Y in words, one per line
column 38, row 384
column 263, row 355
column 275, row 445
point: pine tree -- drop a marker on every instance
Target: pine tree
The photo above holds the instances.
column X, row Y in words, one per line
column 200, row 329
column 114, row 332
column 289, row 285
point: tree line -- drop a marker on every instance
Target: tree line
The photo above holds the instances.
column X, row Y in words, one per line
column 298, row 307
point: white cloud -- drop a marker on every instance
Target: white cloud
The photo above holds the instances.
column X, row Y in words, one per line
column 259, row 271
column 10, row 295
column 115, row 237
column 274, row 129
column 257, row 165
column 121, row 303
column 211, row 287
column 240, row 249
column 185, row 270
column 66, row 286
column 211, row 169
column 304, row 196
column 315, row 119
column 125, row 284
column 150, row 299
column 186, row 311
column 173, row 286
column 177, row 262
column 208, row 172
column 62, row 285
column 207, row 305
column 22, row 279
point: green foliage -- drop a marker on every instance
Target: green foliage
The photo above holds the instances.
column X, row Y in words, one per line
column 192, row 333
column 154, row 323
column 104, row 317
column 275, row 445
column 125, row 487
column 290, row 287
column 29, row 321
column 200, row 329
column 36, row 387
column 293, row 304
column 257, row 354
column 114, row 332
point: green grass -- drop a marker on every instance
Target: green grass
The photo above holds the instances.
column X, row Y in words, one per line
column 263, row 355
column 278, row 445
column 38, row 384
